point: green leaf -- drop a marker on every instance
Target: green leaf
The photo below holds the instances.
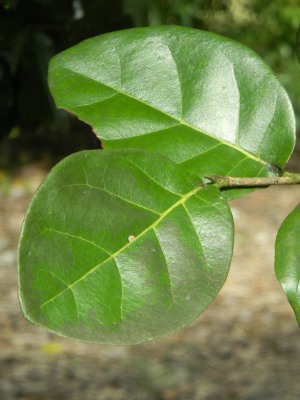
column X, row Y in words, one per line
column 121, row 247
column 287, row 259
column 207, row 102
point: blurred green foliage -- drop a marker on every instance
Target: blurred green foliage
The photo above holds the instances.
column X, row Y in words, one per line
column 31, row 31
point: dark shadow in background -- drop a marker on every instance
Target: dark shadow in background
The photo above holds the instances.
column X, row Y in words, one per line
column 31, row 32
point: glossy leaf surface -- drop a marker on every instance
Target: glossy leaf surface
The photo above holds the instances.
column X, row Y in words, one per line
column 121, row 247
column 287, row 259
column 207, row 102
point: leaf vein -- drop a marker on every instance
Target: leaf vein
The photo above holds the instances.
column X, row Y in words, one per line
column 76, row 237
column 192, row 222
column 114, row 195
column 201, row 154
column 267, row 127
column 236, row 165
column 237, row 132
column 167, row 267
column 150, row 177
column 67, row 287
column 250, row 155
column 179, row 81
column 112, row 256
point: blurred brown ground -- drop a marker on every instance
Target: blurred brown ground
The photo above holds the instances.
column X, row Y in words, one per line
column 245, row 346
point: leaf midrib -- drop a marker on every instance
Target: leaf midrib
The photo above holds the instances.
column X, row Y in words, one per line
column 183, row 199
column 179, row 121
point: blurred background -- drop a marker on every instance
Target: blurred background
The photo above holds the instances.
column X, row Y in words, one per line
column 247, row 344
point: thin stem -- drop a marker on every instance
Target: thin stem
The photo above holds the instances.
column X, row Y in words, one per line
column 230, row 181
